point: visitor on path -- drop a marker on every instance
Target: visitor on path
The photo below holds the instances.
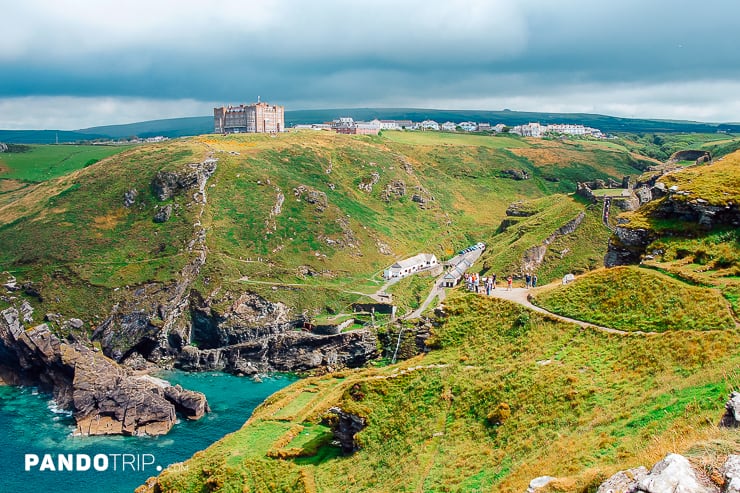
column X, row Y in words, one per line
column 494, row 281
column 528, row 280
column 534, row 280
column 476, row 282
column 509, row 280
column 489, row 285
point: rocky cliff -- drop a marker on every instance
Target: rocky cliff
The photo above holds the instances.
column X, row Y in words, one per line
column 106, row 398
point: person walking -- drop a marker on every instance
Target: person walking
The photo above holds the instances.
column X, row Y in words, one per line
column 476, row 282
column 509, row 280
column 528, row 280
column 494, row 281
column 489, row 284
column 534, row 280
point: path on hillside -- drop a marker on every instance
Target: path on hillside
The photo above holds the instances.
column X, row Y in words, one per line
column 436, row 291
column 521, row 296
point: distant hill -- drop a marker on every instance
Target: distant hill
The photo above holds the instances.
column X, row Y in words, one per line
column 197, row 125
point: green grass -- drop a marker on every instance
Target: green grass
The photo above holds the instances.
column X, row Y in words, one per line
column 77, row 224
column 609, row 192
column 44, row 162
column 579, row 251
column 630, row 299
column 435, row 423
column 455, row 139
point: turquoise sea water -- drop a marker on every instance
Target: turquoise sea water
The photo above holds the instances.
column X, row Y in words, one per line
column 29, row 424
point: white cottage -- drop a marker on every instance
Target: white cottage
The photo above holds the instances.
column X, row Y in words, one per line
column 453, row 276
column 409, row 266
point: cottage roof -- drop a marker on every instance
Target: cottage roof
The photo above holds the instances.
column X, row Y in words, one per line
column 415, row 260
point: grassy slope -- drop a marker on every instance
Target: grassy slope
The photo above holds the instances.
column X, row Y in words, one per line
column 629, row 298
column 687, row 251
column 479, row 412
column 578, row 252
column 72, row 233
column 73, row 236
column 470, row 198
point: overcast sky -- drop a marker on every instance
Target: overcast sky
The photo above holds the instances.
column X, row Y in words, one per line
column 77, row 63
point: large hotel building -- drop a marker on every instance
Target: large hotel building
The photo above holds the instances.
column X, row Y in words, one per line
column 252, row 118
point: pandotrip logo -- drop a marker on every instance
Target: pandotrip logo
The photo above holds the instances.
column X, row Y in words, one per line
column 96, row 463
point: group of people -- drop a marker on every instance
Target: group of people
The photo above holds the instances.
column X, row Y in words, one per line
column 474, row 282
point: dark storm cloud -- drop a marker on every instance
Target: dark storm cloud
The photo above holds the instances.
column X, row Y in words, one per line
column 566, row 54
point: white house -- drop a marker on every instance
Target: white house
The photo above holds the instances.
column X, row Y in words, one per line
column 448, row 126
column 429, row 125
column 532, row 129
column 453, row 276
column 468, row 126
column 409, row 266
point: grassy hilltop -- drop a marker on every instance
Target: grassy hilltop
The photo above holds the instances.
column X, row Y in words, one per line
column 316, row 216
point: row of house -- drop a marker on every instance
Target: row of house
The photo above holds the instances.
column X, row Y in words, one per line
column 534, row 129
column 347, row 125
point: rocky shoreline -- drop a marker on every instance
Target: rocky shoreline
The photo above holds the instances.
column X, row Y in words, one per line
column 105, row 397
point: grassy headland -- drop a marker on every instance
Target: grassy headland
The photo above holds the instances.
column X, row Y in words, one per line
column 505, row 395
column 630, row 299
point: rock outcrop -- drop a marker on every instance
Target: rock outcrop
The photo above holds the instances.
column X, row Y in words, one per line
column 539, row 483
column 731, row 474
column 627, row 245
column 106, row 398
column 394, row 189
column 623, row 481
column 129, row 197
column 533, row 257
column 163, row 214
column 731, row 418
column 675, row 474
column 515, row 174
column 287, row 351
column 312, row 196
column 682, row 205
column 167, row 184
column 346, row 428
column 367, row 184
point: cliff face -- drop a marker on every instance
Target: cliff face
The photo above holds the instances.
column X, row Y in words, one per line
column 684, row 207
column 106, row 398
column 627, row 245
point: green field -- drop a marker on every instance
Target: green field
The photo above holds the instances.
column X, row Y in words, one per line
column 44, row 162
column 457, row 139
column 631, row 299
column 609, row 192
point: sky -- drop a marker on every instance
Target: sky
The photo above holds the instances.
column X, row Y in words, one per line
column 76, row 64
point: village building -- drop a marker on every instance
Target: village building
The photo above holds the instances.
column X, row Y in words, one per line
column 417, row 263
column 484, row 127
column 347, row 125
column 452, row 277
column 468, row 126
column 429, row 125
column 532, row 129
column 448, row 126
column 252, row 118
column 498, row 128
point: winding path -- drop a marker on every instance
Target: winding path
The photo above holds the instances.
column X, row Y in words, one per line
column 521, row 297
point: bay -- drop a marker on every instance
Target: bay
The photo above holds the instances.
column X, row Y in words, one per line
column 31, row 424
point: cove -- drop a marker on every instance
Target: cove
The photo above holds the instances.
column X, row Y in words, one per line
column 31, row 425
